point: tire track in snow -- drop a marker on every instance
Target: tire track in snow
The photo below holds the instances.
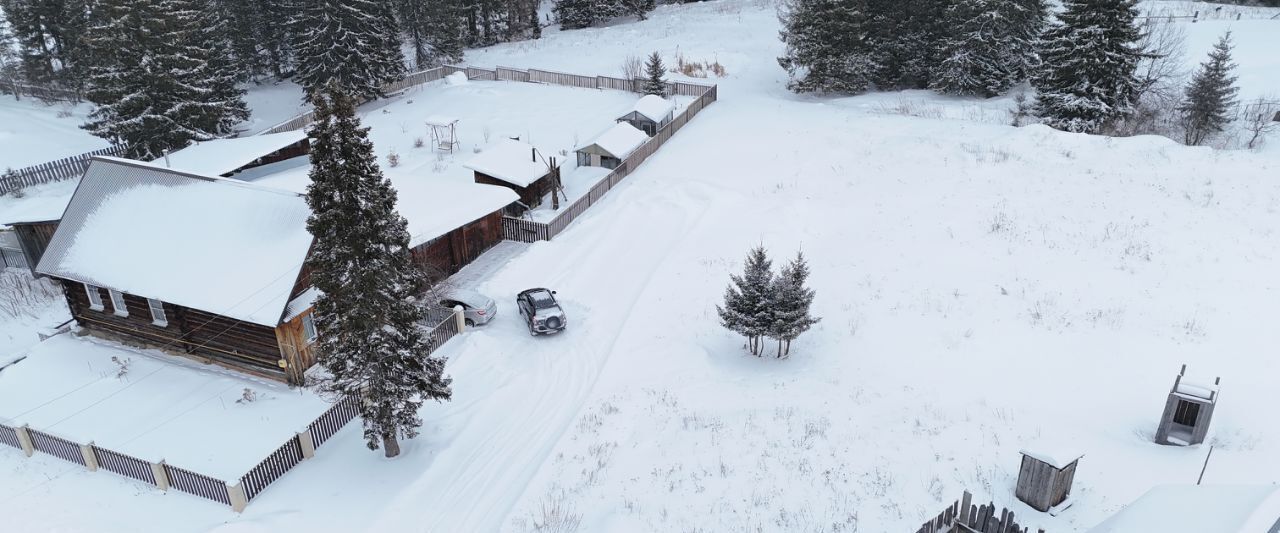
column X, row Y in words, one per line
column 478, row 478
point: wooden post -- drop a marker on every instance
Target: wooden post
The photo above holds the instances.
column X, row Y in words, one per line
column 90, row 459
column 235, row 493
column 964, row 507
column 308, row 445
column 24, row 439
column 461, row 320
column 162, row 477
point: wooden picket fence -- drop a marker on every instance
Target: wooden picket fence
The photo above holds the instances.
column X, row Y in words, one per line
column 65, row 168
column 292, row 452
column 964, row 517
column 41, row 92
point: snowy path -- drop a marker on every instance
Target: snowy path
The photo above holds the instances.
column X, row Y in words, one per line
column 475, row 481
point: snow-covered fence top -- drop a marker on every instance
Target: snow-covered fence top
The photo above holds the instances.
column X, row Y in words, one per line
column 964, row 517
column 66, row 168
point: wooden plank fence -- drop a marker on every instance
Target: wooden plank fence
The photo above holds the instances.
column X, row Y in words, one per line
column 964, row 517
column 12, row 258
column 197, row 484
column 9, row 436
column 125, row 465
column 56, row 446
column 333, row 420
column 41, row 92
column 270, row 469
column 66, row 168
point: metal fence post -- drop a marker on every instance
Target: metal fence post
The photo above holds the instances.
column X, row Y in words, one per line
column 162, row 477
column 461, row 320
column 24, row 439
column 308, row 446
column 235, row 493
column 90, row 460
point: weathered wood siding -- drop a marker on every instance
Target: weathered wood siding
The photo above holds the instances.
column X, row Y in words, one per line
column 292, row 338
column 531, row 195
column 1042, row 486
column 297, row 149
column 34, row 238
column 209, row 337
column 452, row 251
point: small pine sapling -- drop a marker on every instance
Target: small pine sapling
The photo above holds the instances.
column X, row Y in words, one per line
column 746, row 300
column 653, row 73
column 789, row 303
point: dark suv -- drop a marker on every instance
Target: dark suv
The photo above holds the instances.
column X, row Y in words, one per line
column 540, row 311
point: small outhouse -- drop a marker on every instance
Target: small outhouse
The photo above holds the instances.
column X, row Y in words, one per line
column 1187, row 412
column 650, row 114
column 1046, row 475
column 611, row 147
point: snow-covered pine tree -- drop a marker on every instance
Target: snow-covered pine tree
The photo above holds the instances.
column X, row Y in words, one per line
column 575, row 14
column 1210, row 96
column 50, row 35
column 1090, row 58
column 258, row 33
column 9, row 62
column 905, row 39
column 826, row 46
column 990, row 46
column 444, row 27
column 370, row 337
column 217, row 73
column 654, row 71
column 746, row 300
column 151, row 79
column 636, row 8
column 353, row 42
column 789, row 303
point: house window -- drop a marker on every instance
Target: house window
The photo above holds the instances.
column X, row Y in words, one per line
column 95, row 297
column 1186, row 413
column 157, row 312
column 309, row 328
column 584, row 159
column 117, row 303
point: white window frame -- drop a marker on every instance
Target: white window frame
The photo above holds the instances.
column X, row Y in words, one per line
column 95, row 297
column 158, row 317
column 309, row 328
column 118, row 307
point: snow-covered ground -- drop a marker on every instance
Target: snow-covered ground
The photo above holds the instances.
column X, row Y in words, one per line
column 32, row 132
column 982, row 287
column 27, row 307
column 153, row 406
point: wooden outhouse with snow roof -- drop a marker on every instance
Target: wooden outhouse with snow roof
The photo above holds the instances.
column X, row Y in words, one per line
column 517, row 166
column 1046, row 475
column 1187, row 411
column 611, row 147
column 650, row 114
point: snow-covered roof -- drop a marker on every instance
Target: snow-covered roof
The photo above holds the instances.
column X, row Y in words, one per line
column 1199, row 509
column 223, row 156
column 440, row 120
column 300, row 303
column 1056, row 454
column 511, row 161
column 619, row 140
column 1204, row 391
column 218, row 245
column 433, row 205
column 654, row 107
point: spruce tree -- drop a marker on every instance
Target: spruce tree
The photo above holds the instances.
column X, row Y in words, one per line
column 990, row 46
column 51, row 36
column 746, row 300
column 156, row 86
column 654, row 71
column 789, row 303
column 258, row 32
column 1090, row 61
column 574, row 14
column 443, row 25
column 353, row 42
column 1211, row 95
column 369, row 322
column 827, row 49
column 9, row 71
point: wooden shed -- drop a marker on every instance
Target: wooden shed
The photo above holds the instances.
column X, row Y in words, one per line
column 517, row 166
column 33, row 238
column 1046, row 475
column 1187, row 411
column 650, row 114
column 611, row 147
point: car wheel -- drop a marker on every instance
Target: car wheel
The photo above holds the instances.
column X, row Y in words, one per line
column 470, row 323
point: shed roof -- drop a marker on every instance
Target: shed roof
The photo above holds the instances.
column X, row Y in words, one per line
column 511, row 161
column 1199, row 509
column 618, row 141
column 218, row 245
column 1204, row 391
column 1055, row 454
column 224, row 156
column 654, row 107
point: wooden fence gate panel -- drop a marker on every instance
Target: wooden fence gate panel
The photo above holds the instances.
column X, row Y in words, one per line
column 197, row 484
column 57, row 447
column 9, row 436
column 333, row 420
column 124, row 465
